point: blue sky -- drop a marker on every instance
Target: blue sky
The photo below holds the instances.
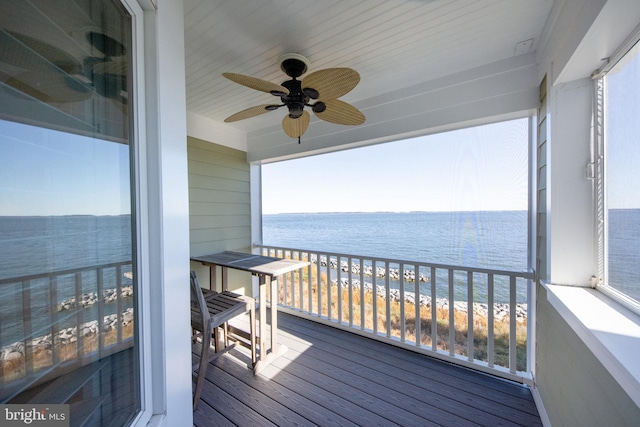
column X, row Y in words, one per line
column 480, row 168
column 45, row 172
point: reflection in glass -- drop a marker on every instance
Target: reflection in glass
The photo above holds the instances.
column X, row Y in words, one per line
column 622, row 176
column 67, row 259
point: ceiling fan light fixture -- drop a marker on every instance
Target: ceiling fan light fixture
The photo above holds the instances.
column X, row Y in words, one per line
column 295, row 109
column 294, row 65
column 311, row 92
column 319, row 107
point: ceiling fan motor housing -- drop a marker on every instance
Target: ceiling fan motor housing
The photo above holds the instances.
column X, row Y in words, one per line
column 295, row 100
column 294, row 65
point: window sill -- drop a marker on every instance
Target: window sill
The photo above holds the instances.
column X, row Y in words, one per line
column 610, row 330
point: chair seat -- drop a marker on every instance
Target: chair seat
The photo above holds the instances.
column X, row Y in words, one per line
column 222, row 306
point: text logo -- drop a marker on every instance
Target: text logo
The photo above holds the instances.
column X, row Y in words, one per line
column 34, row 415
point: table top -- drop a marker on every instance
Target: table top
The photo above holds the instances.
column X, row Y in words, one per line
column 256, row 264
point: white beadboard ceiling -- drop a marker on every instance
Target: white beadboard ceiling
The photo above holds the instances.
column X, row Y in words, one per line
column 393, row 44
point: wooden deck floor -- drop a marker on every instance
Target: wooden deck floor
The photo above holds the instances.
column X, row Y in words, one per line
column 329, row 377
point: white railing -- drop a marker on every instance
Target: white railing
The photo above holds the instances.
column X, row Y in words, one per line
column 337, row 289
column 62, row 320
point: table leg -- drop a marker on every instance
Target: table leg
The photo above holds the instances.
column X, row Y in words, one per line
column 262, row 328
column 225, row 279
column 275, row 350
column 274, row 314
column 213, row 278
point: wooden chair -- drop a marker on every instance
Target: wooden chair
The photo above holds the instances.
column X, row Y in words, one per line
column 209, row 310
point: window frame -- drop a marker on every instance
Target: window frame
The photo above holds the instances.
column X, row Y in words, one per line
column 599, row 150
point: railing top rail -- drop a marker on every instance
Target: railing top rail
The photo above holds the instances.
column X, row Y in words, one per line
column 61, row 272
column 524, row 273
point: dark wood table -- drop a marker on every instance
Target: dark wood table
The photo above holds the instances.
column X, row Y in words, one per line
column 267, row 269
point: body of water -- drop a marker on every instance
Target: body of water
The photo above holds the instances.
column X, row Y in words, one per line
column 39, row 245
column 494, row 240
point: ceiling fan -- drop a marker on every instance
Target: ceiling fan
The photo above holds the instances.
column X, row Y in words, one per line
column 319, row 90
column 50, row 74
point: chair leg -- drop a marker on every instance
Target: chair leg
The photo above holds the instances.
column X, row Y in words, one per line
column 202, row 368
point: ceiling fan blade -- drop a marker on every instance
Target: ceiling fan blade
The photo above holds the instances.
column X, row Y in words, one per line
column 340, row 112
column 111, row 67
column 50, row 87
column 255, row 83
column 331, row 83
column 296, row 127
column 249, row 112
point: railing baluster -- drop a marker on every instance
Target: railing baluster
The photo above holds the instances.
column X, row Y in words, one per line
column 452, row 323
column 27, row 326
column 490, row 321
column 417, row 304
column 339, row 287
column 350, row 288
column 374, row 287
column 79, row 313
column 434, row 312
column 309, row 282
column 387, row 287
column 319, row 284
column 300, row 283
column 119, row 301
column 362, row 297
column 101, row 343
column 53, row 317
column 470, row 345
column 329, row 286
column 512, row 325
column 402, row 300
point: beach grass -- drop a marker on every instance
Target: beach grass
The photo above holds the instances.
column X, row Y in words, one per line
column 342, row 299
column 45, row 357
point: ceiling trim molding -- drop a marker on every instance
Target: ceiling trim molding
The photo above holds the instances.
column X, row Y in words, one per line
column 211, row 131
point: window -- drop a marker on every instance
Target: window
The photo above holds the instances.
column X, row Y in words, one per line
column 67, row 260
column 621, row 195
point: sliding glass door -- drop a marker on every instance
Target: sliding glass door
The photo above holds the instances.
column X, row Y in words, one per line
column 68, row 329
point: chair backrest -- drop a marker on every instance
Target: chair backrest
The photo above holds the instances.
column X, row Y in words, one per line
column 198, row 302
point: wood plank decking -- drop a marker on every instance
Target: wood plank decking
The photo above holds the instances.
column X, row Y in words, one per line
column 329, row 377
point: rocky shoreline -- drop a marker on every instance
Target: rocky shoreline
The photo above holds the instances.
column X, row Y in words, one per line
column 394, row 273
column 500, row 310
column 16, row 351
column 90, row 298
